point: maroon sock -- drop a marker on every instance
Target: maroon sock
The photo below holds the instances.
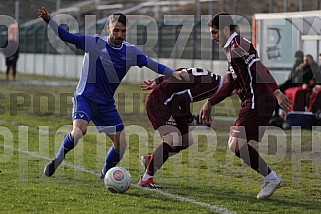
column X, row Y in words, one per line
column 158, row 158
column 252, row 158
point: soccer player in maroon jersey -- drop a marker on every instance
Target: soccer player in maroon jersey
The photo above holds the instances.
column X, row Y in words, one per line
column 168, row 109
column 258, row 92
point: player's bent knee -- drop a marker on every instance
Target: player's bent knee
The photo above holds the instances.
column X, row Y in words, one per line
column 168, row 138
column 235, row 144
column 78, row 133
column 79, row 128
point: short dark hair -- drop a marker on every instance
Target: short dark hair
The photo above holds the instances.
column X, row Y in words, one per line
column 309, row 56
column 299, row 54
column 221, row 20
column 118, row 17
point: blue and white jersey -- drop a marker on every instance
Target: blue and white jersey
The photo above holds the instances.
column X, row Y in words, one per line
column 104, row 66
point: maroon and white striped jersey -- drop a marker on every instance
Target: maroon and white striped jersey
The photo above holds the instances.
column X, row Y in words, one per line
column 246, row 75
column 202, row 85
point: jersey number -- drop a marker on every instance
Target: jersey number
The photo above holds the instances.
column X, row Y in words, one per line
column 199, row 72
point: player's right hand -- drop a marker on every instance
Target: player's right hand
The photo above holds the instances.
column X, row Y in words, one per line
column 284, row 102
column 181, row 75
column 43, row 13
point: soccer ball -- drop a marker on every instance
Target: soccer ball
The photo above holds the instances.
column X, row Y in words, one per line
column 117, row 180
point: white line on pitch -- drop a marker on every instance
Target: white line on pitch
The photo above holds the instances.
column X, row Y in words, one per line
column 183, row 199
column 169, row 195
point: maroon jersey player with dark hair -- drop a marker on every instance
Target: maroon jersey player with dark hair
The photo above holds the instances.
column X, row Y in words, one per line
column 258, row 92
column 168, row 109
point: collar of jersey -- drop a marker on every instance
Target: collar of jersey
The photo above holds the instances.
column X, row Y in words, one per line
column 113, row 46
column 230, row 39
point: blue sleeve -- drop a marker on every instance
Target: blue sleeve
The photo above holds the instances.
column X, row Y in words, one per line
column 143, row 60
column 81, row 41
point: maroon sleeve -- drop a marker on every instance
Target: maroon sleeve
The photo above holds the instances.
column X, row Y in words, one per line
column 264, row 76
column 225, row 91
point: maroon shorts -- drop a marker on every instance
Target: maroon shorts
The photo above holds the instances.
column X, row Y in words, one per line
column 251, row 123
column 160, row 115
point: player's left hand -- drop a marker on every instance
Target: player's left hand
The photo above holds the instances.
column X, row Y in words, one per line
column 181, row 75
column 43, row 13
column 205, row 114
column 147, row 85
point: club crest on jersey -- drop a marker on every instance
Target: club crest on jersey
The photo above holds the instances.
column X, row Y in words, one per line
column 104, row 50
column 245, row 55
column 171, row 121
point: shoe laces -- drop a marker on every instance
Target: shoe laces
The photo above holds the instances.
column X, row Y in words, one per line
column 265, row 184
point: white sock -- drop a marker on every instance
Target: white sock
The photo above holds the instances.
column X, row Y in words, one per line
column 271, row 176
column 146, row 176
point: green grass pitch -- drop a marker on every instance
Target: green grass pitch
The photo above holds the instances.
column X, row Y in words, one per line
column 206, row 178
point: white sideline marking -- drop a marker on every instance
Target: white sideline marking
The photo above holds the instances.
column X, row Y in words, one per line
column 177, row 197
column 183, row 199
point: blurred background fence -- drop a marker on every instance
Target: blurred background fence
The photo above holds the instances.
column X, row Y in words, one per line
column 174, row 45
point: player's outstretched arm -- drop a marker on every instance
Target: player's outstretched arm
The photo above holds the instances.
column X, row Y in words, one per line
column 225, row 91
column 78, row 40
column 44, row 14
column 160, row 68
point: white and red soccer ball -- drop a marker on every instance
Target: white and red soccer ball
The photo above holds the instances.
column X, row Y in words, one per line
column 117, row 180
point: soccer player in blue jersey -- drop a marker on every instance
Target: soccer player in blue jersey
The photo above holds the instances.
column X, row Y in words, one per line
column 106, row 62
